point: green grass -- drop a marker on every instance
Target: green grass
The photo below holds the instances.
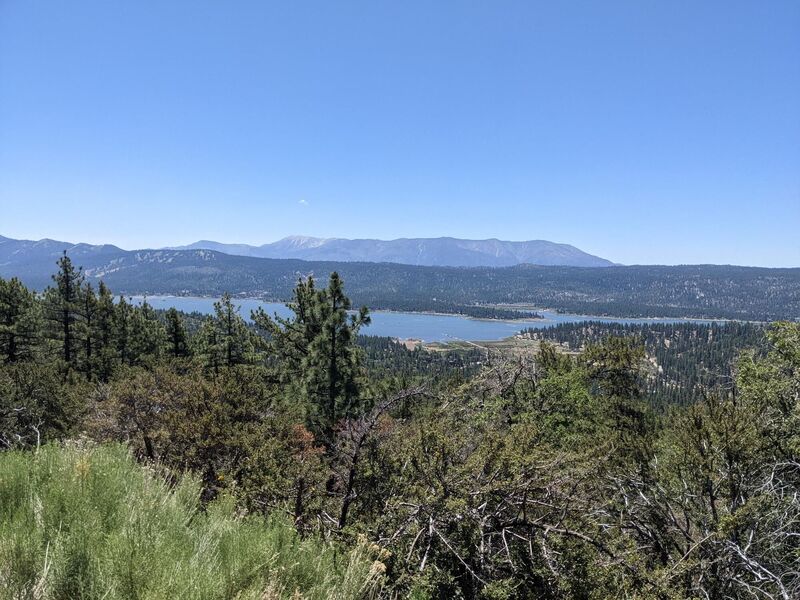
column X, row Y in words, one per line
column 89, row 522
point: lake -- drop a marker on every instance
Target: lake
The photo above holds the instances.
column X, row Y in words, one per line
column 422, row 326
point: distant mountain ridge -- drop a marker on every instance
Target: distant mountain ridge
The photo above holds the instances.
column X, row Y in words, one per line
column 703, row 291
column 432, row 252
column 29, row 255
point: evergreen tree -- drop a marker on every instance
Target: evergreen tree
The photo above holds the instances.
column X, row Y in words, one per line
column 62, row 309
column 88, row 313
column 225, row 340
column 147, row 335
column 615, row 372
column 177, row 338
column 235, row 337
column 104, row 333
column 288, row 340
column 318, row 348
column 123, row 319
column 20, row 322
column 333, row 356
column 207, row 346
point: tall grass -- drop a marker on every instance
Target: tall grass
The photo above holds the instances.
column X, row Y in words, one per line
column 88, row 522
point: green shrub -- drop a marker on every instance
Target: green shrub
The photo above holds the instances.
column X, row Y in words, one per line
column 82, row 521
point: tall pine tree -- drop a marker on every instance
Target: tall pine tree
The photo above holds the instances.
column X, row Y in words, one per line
column 104, row 333
column 123, row 325
column 88, row 313
column 317, row 349
column 62, row 302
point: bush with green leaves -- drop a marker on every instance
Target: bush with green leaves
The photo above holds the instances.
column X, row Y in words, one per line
column 86, row 521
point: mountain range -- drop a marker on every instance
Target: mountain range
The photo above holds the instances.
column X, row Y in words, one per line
column 28, row 256
column 434, row 252
column 716, row 291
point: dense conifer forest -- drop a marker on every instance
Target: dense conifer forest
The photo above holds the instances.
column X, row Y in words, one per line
column 149, row 454
column 684, row 360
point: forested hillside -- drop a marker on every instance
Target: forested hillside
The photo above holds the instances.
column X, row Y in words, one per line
column 711, row 291
column 321, row 467
column 684, row 360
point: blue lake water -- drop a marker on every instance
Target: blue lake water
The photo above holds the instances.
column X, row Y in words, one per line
column 426, row 327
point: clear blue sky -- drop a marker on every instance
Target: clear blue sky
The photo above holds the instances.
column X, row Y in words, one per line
column 642, row 131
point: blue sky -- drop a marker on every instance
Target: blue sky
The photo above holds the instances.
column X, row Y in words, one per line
column 645, row 132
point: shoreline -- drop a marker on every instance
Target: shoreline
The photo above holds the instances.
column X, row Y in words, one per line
column 543, row 319
column 371, row 310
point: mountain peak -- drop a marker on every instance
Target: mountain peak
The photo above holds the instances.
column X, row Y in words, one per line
column 440, row 251
column 300, row 241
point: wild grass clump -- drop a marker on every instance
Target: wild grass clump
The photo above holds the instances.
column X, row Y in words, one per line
column 89, row 522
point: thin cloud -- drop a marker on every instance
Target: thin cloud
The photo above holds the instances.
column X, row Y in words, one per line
column 303, row 201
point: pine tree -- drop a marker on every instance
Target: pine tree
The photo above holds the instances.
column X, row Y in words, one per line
column 235, row 337
column 147, row 335
column 87, row 311
column 177, row 338
column 103, row 327
column 225, row 340
column 62, row 306
column 288, row 340
column 318, row 349
column 207, row 346
column 614, row 368
column 123, row 318
column 20, row 322
column 332, row 357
